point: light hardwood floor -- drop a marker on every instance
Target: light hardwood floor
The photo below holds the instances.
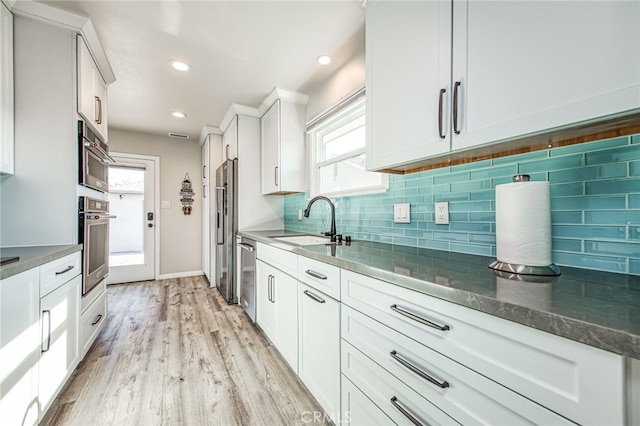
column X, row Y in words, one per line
column 173, row 353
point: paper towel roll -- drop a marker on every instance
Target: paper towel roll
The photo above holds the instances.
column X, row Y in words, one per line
column 523, row 223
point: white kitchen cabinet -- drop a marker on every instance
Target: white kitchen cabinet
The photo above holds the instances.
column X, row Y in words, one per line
column 519, row 77
column 358, row 409
column 60, row 316
column 6, row 91
column 91, row 321
column 277, row 310
column 319, row 347
column 582, row 383
column 408, row 63
column 283, row 148
column 230, row 140
column 463, row 394
column 19, row 348
column 206, row 169
column 92, row 92
column 510, row 76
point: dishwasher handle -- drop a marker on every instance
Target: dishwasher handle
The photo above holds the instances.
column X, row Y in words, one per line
column 247, row 247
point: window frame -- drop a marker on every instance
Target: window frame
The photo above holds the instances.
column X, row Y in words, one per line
column 342, row 115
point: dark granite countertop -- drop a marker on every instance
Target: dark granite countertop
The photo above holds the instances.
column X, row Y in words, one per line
column 32, row 257
column 600, row 309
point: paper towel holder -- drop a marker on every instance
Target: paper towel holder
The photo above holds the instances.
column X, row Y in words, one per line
column 512, row 268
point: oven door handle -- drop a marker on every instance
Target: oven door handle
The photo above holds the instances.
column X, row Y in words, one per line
column 100, row 216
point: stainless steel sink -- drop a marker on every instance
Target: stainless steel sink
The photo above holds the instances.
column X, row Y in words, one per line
column 305, row 240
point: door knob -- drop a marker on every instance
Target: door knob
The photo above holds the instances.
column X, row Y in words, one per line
column 150, row 225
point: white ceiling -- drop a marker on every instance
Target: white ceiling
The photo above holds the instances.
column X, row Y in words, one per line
column 239, row 51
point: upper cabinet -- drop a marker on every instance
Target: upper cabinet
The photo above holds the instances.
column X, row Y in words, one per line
column 408, row 51
column 282, row 129
column 92, row 92
column 230, row 140
column 510, row 76
column 6, row 91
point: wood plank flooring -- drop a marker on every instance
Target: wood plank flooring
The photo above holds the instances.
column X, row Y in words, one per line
column 173, row 353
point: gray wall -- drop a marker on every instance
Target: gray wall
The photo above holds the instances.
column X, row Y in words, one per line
column 180, row 235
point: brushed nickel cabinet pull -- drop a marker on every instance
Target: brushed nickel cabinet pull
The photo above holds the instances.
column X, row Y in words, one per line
column 99, row 103
column 315, row 274
column 98, row 318
column 226, row 152
column 443, row 384
column 276, row 175
column 405, row 412
column 421, row 320
column 314, row 296
column 65, row 270
column 455, row 107
column 48, row 339
column 440, row 106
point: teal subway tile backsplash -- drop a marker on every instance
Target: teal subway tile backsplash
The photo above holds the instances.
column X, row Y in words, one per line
column 595, row 205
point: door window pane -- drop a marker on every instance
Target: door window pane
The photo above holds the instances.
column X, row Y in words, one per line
column 126, row 202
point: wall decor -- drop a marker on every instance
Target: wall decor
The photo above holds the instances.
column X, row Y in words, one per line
column 186, row 195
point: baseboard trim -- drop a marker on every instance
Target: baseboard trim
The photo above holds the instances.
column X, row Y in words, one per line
column 179, row 275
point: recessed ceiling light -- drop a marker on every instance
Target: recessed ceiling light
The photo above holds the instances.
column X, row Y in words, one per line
column 179, row 65
column 324, row 59
column 178, row 114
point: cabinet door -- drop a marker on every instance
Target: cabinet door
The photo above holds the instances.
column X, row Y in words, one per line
column 92, row 91
column 19, row 348
column 517, row 76
column 285, row 295
column 319, row 347
column 408, row 46
column 6, row 91
column 265, row 307
column 60, row 317
column 230, row 141
column 270, row 130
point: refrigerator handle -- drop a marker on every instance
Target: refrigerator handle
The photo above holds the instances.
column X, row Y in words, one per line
column 219, row 225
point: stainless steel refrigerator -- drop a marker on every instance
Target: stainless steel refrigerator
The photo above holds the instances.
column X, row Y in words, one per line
column 226, row 228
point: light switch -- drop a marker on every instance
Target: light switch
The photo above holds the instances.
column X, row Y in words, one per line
column 401, row 213
column 166, row 204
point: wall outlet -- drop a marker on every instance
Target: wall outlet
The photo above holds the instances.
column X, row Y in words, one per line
column 442, row 213
column 402, row 213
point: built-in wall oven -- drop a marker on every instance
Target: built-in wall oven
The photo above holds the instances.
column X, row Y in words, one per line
column 94, row 235
column 94, row 159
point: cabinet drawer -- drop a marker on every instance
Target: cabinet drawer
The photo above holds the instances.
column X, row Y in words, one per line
column 381, row 388
column 358, row 409
column 281, row 259
column 465, row 395
column 320, row 275
column 577, row 381
column 91, row 321
column 59, row 271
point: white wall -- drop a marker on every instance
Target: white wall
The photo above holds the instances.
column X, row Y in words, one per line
column 346, row 79
column 180, row 235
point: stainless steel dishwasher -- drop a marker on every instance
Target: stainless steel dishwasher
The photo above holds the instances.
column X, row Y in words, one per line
column 247, row 275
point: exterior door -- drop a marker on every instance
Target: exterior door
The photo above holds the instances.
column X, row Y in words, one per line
column 132, row 234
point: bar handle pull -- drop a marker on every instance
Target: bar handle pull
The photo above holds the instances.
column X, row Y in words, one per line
column 456, row 85
column 443, row 384
column 405, row 412
column 315, row 274
column 275, row 170
column 65, row 270
column 98, row 318
column 99, row 104
column 43, row 347
column 314, row 296
column 430, row 323
column 440, row 118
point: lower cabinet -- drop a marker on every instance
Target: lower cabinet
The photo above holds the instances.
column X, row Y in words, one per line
column 19, row 348
column 319, row 347
column 277, row 310
column 358, row 409
column 91, row 321
column 60, row 314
